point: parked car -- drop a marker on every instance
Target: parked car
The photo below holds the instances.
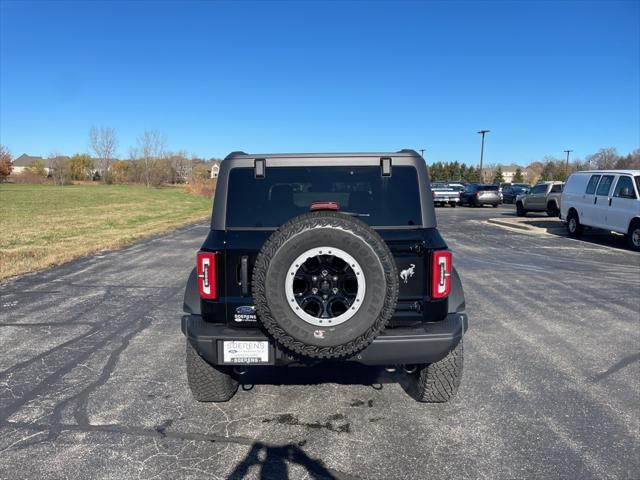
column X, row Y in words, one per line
column 478, row 195
column 445, row 196
column 509, row 194
column 543, row 197
column 458, row 187
column 324, row 259
column 501, row 188
column 605, row 199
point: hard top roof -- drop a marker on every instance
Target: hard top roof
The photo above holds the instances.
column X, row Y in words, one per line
column 401, row 153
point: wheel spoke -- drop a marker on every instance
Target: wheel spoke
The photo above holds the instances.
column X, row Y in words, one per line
column 324, row 285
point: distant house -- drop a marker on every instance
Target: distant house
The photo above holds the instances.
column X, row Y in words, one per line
column 508, row 176
column 215, row 170
column 24, row 161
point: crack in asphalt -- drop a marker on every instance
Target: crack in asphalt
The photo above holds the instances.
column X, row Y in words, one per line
column 273, row 452
column 82, row 398
column 628, row 360
column 97, row 341
column 47, row 324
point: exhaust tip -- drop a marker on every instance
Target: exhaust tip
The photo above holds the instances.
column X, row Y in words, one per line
column 390, row 369
column 240, row 370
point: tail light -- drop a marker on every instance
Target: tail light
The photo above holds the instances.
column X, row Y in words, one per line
column 478, row 194
column 441, row 274
column 324, row 206
column 207, row 272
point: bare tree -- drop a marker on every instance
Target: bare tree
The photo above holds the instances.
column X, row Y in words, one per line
column 103, row 142
column 59, row 168
column 603, row 159
column 179, row 167
column 151, row 152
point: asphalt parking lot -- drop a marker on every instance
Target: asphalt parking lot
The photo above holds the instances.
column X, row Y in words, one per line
column 92, row 379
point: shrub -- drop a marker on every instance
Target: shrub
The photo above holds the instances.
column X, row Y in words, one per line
column 28, row 176
column 202, row 187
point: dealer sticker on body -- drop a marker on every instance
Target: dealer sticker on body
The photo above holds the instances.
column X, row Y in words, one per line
column 245, row 351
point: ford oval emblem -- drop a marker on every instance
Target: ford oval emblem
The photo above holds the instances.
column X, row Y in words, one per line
column 246, row 310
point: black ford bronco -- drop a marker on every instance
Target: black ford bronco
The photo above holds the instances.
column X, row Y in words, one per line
column 318, row 258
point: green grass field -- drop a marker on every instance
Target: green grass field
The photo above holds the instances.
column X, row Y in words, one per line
column 44, row 225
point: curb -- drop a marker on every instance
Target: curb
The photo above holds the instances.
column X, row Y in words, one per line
column 503, row 223
column 519, row 225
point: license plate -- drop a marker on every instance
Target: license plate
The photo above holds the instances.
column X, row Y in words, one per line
column 245, row 351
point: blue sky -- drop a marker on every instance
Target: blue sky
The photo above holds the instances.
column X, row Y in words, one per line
column 327, row 76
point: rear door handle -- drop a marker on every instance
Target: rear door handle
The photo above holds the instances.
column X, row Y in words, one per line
column 610, row 201
column 244, row 275
column 595, row 200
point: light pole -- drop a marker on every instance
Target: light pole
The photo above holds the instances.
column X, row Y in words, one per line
column 567, row 169
column 422, row 153
column 482, row 132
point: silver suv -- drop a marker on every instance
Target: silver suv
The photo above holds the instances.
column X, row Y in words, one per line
column 543, row 197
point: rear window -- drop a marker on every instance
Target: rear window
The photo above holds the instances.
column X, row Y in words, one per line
column 556, row 189
column 488, row 188
column 285, row 192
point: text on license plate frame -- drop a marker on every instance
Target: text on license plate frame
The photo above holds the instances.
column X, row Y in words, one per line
column 246, row 352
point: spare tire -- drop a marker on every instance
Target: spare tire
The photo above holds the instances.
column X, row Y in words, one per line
column 325, row 285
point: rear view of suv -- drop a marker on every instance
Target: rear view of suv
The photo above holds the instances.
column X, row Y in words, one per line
column 323, row 259
column 606, row 199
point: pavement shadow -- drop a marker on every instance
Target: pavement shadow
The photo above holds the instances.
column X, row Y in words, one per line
column 272, row 463
column 555, row 226
column 345, row 374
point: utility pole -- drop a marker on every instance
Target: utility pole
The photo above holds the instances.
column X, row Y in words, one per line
column 482, row 132
column 422, row 153
column 567, row 169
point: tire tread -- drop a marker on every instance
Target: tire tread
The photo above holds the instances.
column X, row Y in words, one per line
column 438, row 382
column 207, row 382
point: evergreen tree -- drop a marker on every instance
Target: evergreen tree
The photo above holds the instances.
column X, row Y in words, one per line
column 498, row 177
column 454, row 171
column 473, row 175
column 517, row 178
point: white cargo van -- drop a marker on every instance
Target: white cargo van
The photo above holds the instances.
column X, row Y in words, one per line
column 606, row 199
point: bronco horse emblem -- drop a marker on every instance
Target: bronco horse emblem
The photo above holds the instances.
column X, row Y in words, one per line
column 407, row 273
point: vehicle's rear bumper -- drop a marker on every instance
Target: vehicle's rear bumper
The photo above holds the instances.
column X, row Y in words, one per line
column 487, row 201
column 426, row 343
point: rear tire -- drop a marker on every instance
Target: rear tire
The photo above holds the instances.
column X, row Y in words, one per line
column 633, row 236
column 207, row 382
column 438, row 382
column 552, row 210
column 453, row 204
column 573, row 224
column 520, row 211
column 495, row 205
